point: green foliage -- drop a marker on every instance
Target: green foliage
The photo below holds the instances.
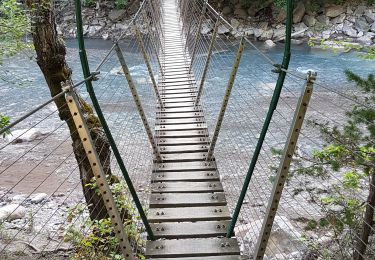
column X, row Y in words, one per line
column 14, row 25
column 4, row 121
column 120, row 4
column 89, row 3
column 98, row 240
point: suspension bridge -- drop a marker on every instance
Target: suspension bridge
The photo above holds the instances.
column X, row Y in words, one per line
column 193, row 126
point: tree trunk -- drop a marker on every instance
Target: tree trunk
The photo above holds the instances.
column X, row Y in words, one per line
column 50, row 50
column 368, row 223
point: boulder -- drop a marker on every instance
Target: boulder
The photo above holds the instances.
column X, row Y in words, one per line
column 281, row 16
column 222, row 29
column 286, row 239
column 370, row 17
column 360, row 10
column 39, row 197
column 12, row 212
column 19, row 198
column 362, row 25
column 326, row 34
column 339, row 19
column 206, row 27
column 299, row 12
column 269, row 44
column 372, row 27
column 349, row 31
column 323, row 19
column 266, row 35
column 279, row 33
column 249, row 31
column 334, row 10
column 235, row 23
column 365, row 39
column 227, row 10
column 116, row 15
column 258, row 32
column 309, row 20
column 241, row 13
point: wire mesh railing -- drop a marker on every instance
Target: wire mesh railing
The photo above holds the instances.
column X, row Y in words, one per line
column 304, row 214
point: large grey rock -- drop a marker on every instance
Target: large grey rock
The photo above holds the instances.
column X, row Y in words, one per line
column 269, row 44
column 372, row 27
column 12, row 212
column 339, row 19
column 299, row 12
column 116, row 15
column 206, row 27
column 94, row 30
column 281, row 16
column 258, row 32
column 241, row 13
column 222, row 29
column 334, row 11
column 326, row 34
column 286, row 239
column 279, row 33
column 235, row 23
column 362, row 25
column 249, row 31
column 266, row 35
column 349, row 31
column 370, row 16
column 323, row 19
column 360, row 10
column 366, row 39
column 227, row 10
column 309, row 20
column 39, row 197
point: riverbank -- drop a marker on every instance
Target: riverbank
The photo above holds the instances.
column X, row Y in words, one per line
column 353, row 22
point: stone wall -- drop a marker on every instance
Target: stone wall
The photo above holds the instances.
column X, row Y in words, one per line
column 351, row 21
column 355, row 21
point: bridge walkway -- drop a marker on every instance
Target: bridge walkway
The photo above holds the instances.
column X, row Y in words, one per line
column 188, row 210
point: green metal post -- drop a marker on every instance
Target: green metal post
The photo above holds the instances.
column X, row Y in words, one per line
column 90, row 90
column 273, row 105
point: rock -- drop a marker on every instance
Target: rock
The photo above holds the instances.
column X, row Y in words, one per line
column 286, row 239
column 323, row 19
column 281, row 16
column 241, row 13
column 227, row 10
column 269, row 44
column 360, row 10
column 309, row 20
column 366, row 39
column 116, row 15
column 334, row 10
column 326, row 34
column 362, row 25
column 258, row 32
column 349, row 31
column 249, row 31
column 349, row 10
column 370, row 17
column 335, row 208
column 105, row 36
column 266, row 35
column 339, row 19
column 39, row 197
column 206, row 27
column 279, row 33
column 300, row 27
column 94, row 30
column 299, row 12
column 372, row 27
column 20, row 136
column 19, row 198
column 235, row 23
column 222, row 29
column 69, row 18
column 12, row 212
column 263, row 25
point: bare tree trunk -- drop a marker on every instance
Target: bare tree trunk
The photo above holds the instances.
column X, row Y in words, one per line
column 368, row 222
column 50, row 50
